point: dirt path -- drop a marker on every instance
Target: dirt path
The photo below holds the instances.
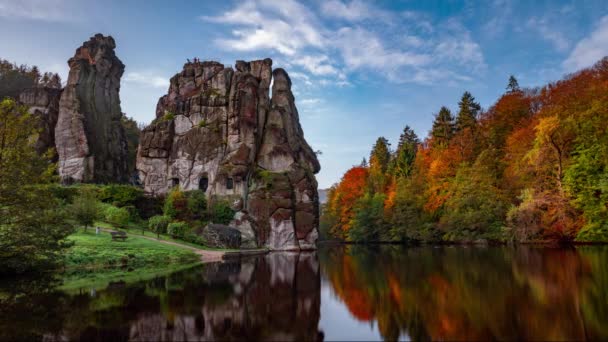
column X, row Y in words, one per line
column 206, row 255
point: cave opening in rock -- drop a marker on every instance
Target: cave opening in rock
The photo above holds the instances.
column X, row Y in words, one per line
column 174, row 182
column 203, row 183
column 229, row 183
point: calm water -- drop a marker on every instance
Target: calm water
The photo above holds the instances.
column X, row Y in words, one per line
column 338, row 293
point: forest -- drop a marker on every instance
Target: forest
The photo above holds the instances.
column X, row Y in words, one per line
column 531, row 168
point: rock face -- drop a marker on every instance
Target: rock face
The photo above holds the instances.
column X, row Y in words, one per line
column 89, row 136
column 218, row 130
column 221, row 236
column 44, row 103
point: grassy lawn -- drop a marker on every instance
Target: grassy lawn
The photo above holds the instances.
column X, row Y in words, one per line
column 134, row 229
column 92, row 251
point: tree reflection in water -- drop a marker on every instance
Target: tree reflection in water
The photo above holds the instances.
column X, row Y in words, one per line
column 272, row 297
column 473, row 293
column 449, row 293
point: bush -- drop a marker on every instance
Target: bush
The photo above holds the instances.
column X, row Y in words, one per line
column 159, row 224
column 120, row 195
column 149, row 206
column 194, row 238
column 118, row 217
column 177, row 229
column 176, row 204
column 196, row 204
column 64, row 193
column 222, row 213
column 168, row 116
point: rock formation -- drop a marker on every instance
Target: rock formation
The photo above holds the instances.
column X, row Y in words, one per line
column 89, row 136
column 43, row 102
column 218, row 130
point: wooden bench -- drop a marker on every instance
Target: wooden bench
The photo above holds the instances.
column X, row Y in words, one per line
column 118, row 236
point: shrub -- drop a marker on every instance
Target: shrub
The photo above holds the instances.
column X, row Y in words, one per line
column 194, row 238
column 159, row 224
column 149, row 206
column 118, row 217
column 176, row 204
column 221, row 212
column 64, row 193
column 120, row 195
column 196, row 204
column 177, row 229
column 168, row 116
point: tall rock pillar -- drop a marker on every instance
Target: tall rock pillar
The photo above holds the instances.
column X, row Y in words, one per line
column 89, row 136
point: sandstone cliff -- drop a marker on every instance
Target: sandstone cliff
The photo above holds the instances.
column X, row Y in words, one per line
column 89, row 136
column 218, row 130
column 43, row 102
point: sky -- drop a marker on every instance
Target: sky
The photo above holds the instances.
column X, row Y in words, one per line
column 360, row 70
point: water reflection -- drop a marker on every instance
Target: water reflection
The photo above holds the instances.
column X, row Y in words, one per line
column 339, row 293
column 456, row 293
column 275, row 297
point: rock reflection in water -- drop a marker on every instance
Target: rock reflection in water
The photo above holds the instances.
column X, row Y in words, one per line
column 275, row 297
column 366, row 293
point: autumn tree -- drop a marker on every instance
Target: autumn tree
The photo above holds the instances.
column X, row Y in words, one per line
column 533, row 167
column 342, row 200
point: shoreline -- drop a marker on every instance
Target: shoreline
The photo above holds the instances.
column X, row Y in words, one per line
column 466, row 243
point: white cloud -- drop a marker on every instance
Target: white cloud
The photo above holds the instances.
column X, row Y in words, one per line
column 463, row 51
column 590, row 49
column 361, row 48
column 300, row 76
column 548, row 33
column 354, row 10
column 44, row 10
column 327, row 54
column 317, row 65
column 285, row 26
column 310, row 102
column 147, row 79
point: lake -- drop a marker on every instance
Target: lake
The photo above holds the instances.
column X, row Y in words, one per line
column 337, row 293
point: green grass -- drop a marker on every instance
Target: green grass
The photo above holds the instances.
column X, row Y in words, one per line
column 91, row 251
column 135, row 229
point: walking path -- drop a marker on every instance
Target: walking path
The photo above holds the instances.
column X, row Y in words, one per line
column 205, row 254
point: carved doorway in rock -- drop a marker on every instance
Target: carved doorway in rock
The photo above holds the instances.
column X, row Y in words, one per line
column 203, row 183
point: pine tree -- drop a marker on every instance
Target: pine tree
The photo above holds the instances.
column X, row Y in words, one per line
column 35, row 72
column 406, row 152
column 513, row 85
column 378, row 164
column 443, row 127
column 467, row 113
column 55, row 81
column 380, row 155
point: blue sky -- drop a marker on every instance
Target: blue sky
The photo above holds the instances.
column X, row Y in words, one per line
column 360, row 69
